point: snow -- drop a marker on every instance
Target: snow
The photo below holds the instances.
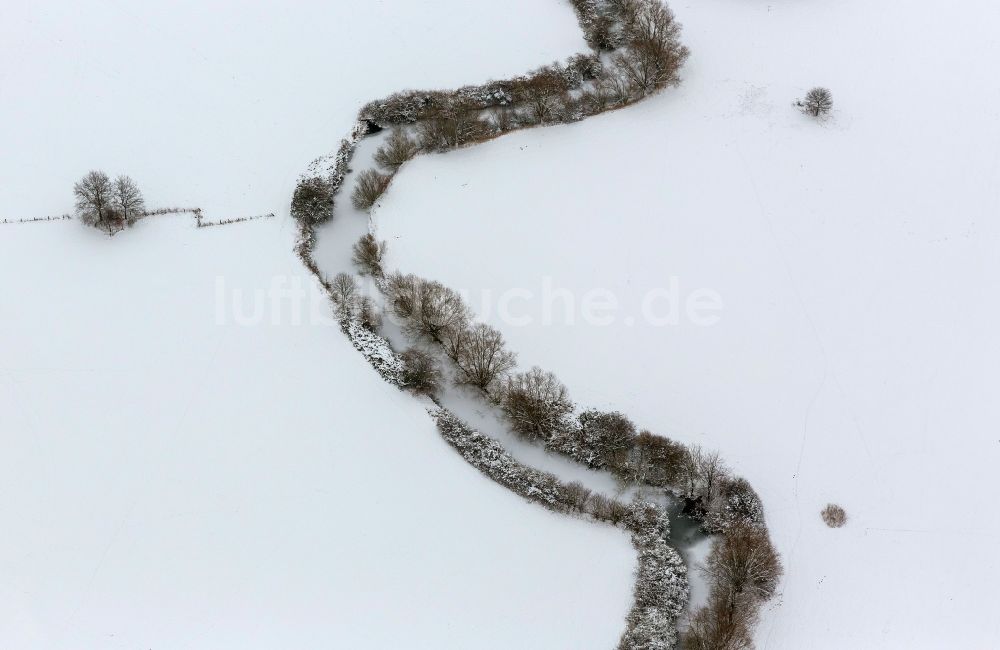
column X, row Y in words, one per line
column 192, row 462
column 855, row 355
column 222, row 104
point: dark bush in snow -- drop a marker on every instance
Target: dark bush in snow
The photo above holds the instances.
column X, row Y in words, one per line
column 421, row 371
column 312, row 202
column 834, row 516
column 536, row 403
column 818, row 101
column 398, row 149
column 367, row 255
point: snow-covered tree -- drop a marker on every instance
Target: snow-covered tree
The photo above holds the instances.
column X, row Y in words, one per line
column 818, row 101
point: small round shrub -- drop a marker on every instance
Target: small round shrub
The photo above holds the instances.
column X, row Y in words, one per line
column 834, row 516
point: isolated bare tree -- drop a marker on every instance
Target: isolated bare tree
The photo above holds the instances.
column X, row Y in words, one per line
column 398, row 149
column 370, row 187
column 535, row 402
column 94, row 197
column 818, row 101
column 482, row 356
column 127, row 198
column 368, row 253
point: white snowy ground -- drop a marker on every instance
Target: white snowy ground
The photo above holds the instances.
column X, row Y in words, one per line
column 175, row 475
column 170, row 482
column 856, row 356
column 222, row 104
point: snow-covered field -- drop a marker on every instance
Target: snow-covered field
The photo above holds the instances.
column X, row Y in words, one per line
column 175, row 476
column 222, row 104
column 855, row 359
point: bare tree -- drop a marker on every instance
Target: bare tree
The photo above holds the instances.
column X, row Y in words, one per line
column 482, row 357
column 370, row 187
column 818, row 101
column 94, row 197
column 452, row 128
column 312, row 202
column 721, row 625
column 127, row 198
column 536, row 403
column 743, row 562
column 398, row 148
column 702, row 474
column 368, row 254
column 344, row 291
column 421, row 371
column 712, row 471
column 427, row 309
column 654, row 54
column 541, row 92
